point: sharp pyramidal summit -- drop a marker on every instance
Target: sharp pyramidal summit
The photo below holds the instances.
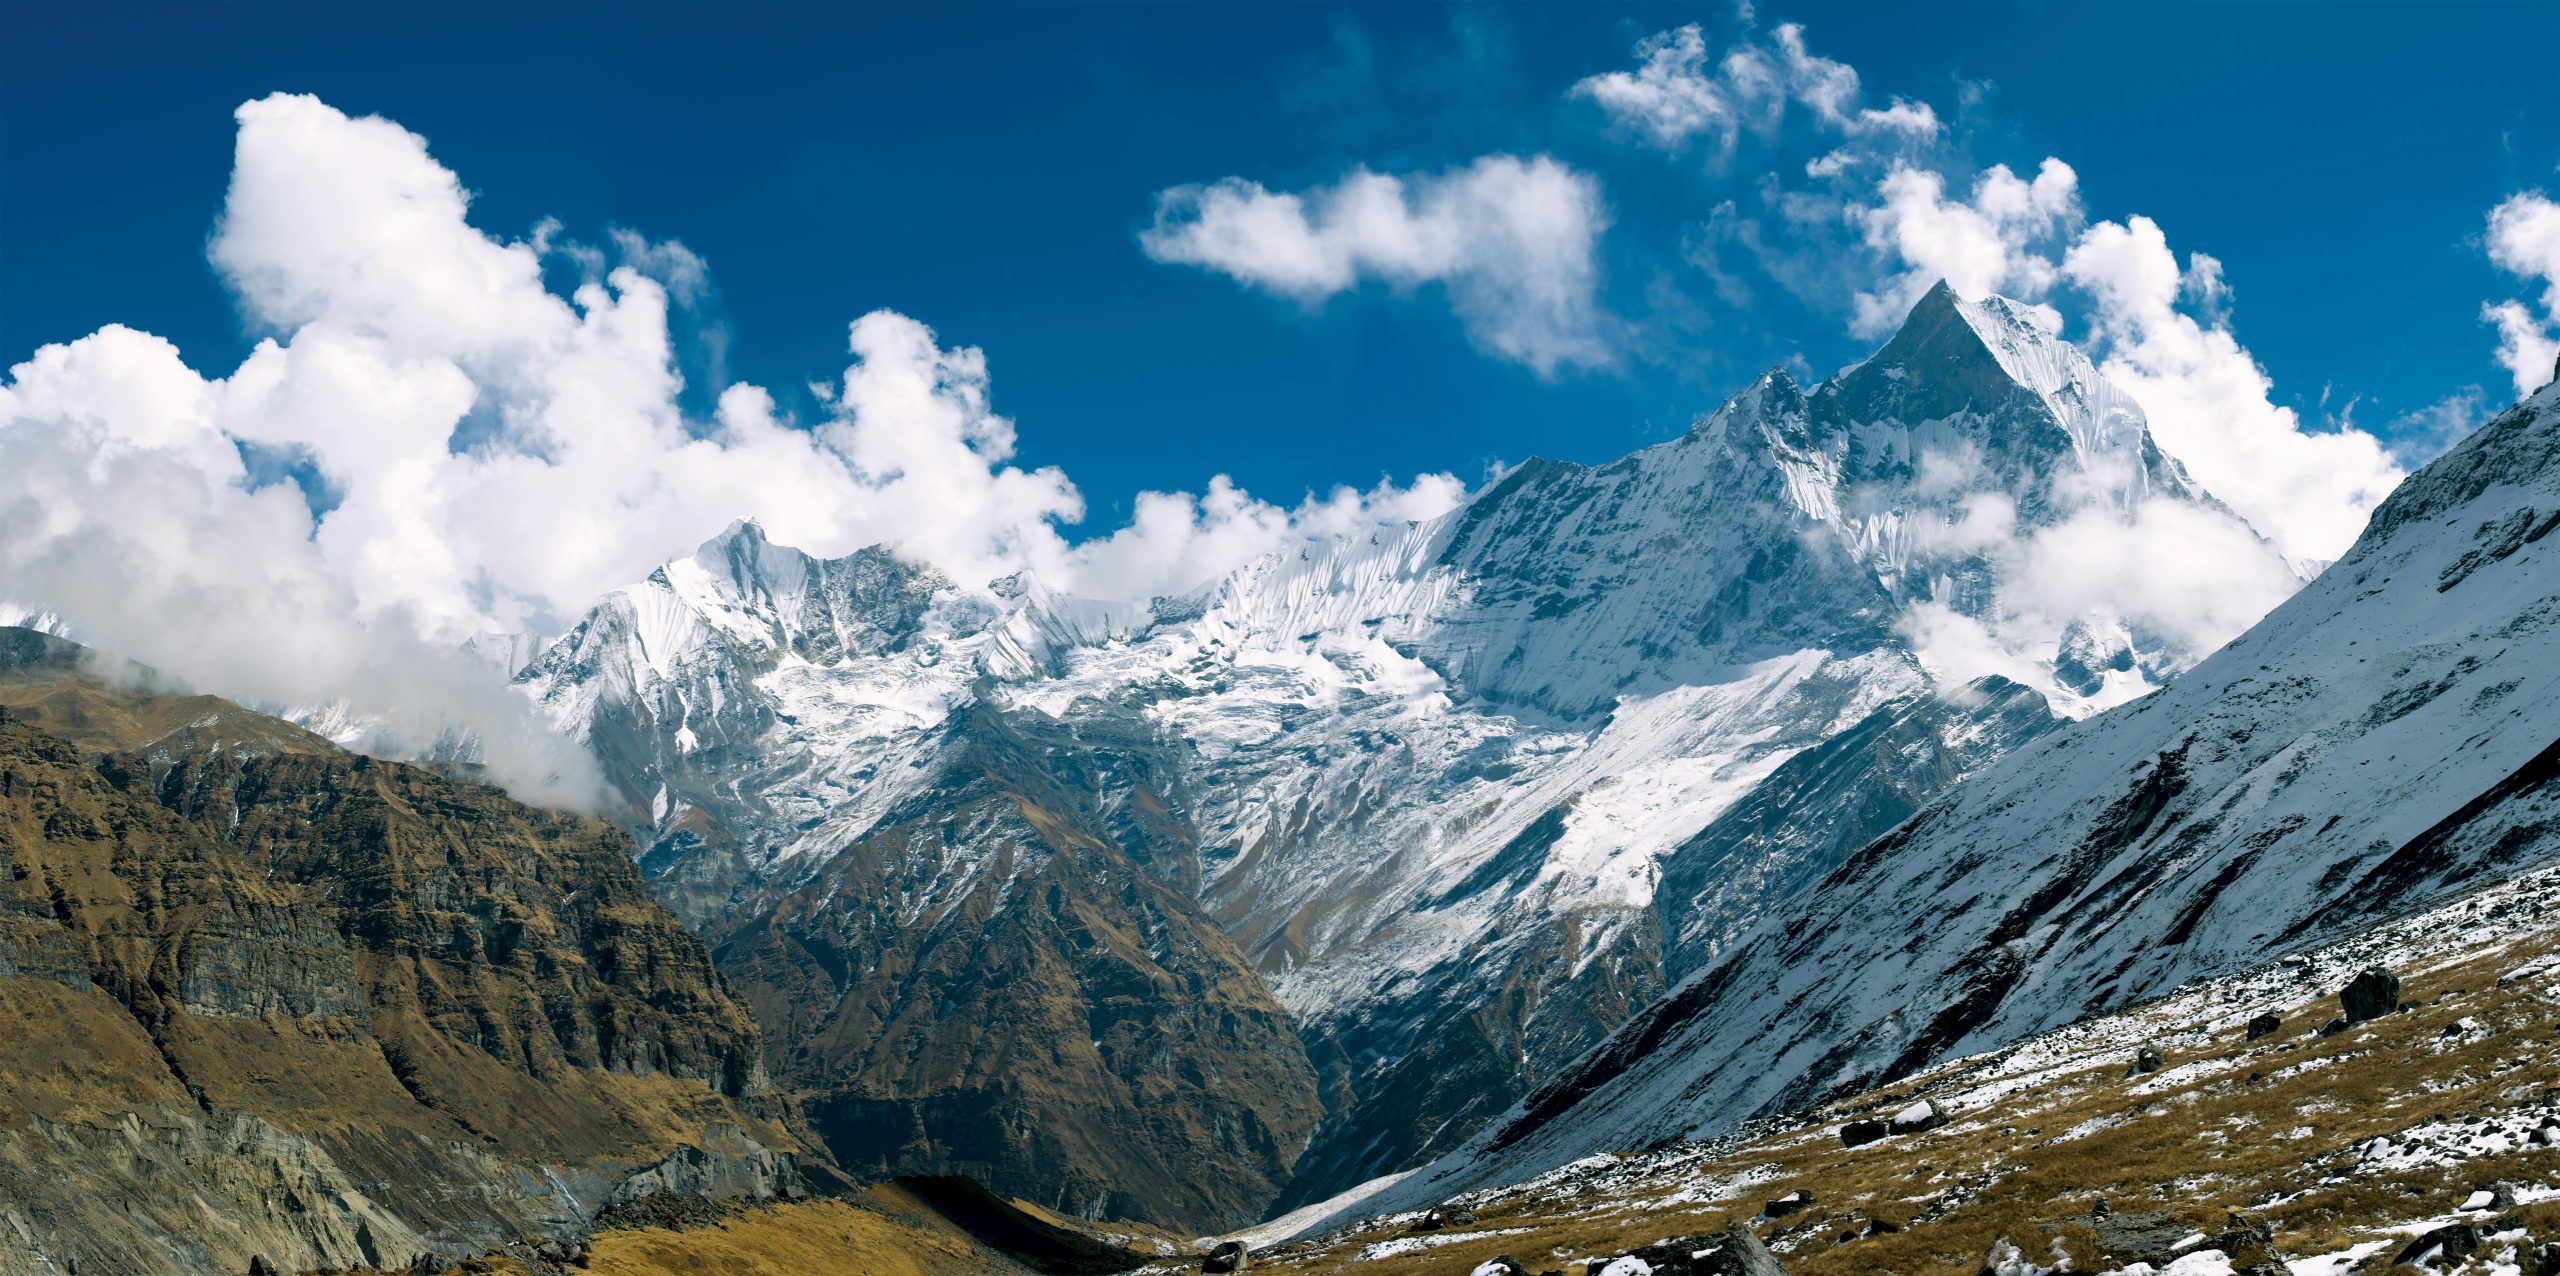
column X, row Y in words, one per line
column 503, row 772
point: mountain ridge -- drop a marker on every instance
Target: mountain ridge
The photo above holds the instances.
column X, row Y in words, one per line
column 1544, row 693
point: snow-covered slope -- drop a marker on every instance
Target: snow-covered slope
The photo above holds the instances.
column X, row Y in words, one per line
column 1431, row 778
column 2388, row 737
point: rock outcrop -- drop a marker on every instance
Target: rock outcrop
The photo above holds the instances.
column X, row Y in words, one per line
column 266, row 999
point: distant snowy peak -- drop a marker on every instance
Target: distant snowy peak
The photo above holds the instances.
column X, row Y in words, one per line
column 42, row 620
column 2102, row 420
column 1428, row 778
column 1975, row 396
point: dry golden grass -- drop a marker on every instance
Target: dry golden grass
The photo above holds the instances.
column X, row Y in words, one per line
column 813, row 1238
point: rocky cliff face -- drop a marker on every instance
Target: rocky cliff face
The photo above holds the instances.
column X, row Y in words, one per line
column 271, row 999
column 990, row 981
column 1458, row 791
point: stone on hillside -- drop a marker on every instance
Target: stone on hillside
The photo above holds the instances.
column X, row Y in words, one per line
column 1862, row 1133
column 1229, row 1256
column 2371, row 995
column 2451, row 1241
column 259, row 1266
column 2250, row 1247
column 2335, row 1026
column 2265, row 1025
column 2146, row 1060
column 1923, row 1115
column 1504, row 1265
column 2140, row 1236
column 2546, row 1261
column 1790, row 1203
column 1732, row 1252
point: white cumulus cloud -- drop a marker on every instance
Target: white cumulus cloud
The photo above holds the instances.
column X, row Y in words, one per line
column 2524, row 238
column 1511, row 240
column 496, row 456
column 2209, row 402
column 1992, row 241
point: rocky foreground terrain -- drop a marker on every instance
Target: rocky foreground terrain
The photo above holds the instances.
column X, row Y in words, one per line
column 263, row 1001
column 2248, row 1123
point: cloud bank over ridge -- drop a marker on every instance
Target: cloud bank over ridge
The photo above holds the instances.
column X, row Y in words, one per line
column 492, row 456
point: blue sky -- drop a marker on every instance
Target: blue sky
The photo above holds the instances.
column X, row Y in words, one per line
column 989, row 170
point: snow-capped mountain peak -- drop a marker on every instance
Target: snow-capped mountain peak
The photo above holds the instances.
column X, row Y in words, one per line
column 1432, row 780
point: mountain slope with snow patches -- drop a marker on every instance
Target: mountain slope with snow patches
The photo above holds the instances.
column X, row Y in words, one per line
column 2387, row 738
column 1431, row 780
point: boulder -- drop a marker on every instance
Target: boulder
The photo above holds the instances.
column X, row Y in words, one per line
column 259, row 1266
column 1502, row 1265
column 2265, row 1025
column 1734, row 1251
column 2146, row 1060
column 2546, row 1260
column 2451, row 1241
column 1923, row 1115
column 2335, row 1026
column 1792, row 1202
column 1229, row 1256
column 2371, row 995
column 1862, row 1133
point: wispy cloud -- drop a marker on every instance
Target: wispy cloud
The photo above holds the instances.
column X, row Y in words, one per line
column 1675, row 95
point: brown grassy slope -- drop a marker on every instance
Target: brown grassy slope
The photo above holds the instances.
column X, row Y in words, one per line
column 867, row 1236
column 248, row 972
column 2280, row 1129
